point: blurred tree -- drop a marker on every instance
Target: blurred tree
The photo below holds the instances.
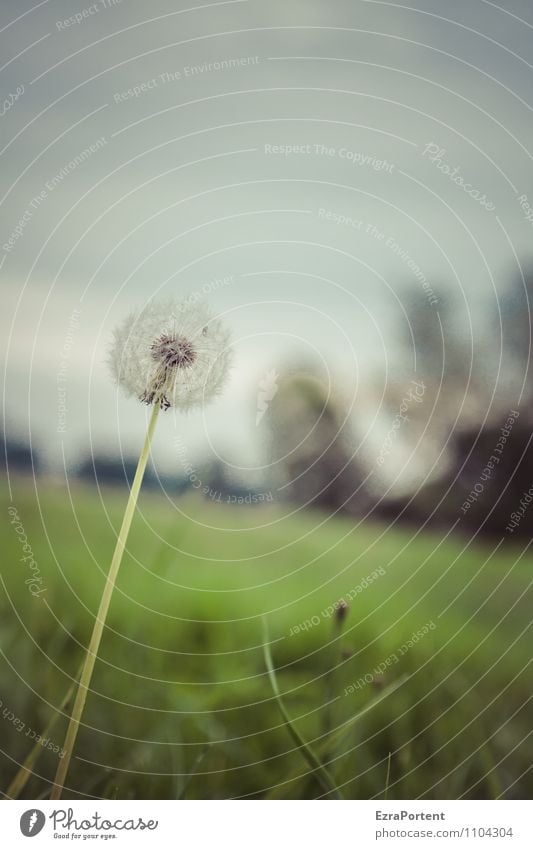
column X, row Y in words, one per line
column 490, row 452
column 310, row 446
column 106, row 470
column 19, row 456
column 438, row 346
column 514, row 324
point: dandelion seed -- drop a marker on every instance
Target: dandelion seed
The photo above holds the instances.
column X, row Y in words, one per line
column 171, row 353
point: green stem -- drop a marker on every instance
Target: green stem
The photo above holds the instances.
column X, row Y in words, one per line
column 92, row 651
column 329, row 681
column 387, row 780
column 319, row 771
column 26, row 770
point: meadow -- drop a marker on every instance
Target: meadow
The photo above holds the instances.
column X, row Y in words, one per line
column 422, row 691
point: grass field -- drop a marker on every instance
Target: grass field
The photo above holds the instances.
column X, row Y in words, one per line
column 181, row 703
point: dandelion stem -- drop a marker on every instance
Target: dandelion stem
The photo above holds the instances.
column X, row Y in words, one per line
column 92, row 651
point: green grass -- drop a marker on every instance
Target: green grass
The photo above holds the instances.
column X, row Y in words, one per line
column 182, row 705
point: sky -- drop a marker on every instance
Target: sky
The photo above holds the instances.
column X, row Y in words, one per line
column 303, row 165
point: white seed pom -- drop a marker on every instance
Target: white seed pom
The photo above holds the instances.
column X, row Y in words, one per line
column 171, row 353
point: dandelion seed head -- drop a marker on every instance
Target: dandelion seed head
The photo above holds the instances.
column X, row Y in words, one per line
column 171, row 353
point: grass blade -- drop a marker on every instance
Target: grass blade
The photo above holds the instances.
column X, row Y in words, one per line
column 339, row 732
column 388, row 777
column 321, row 774
column 194, row 769
column 26, row 770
